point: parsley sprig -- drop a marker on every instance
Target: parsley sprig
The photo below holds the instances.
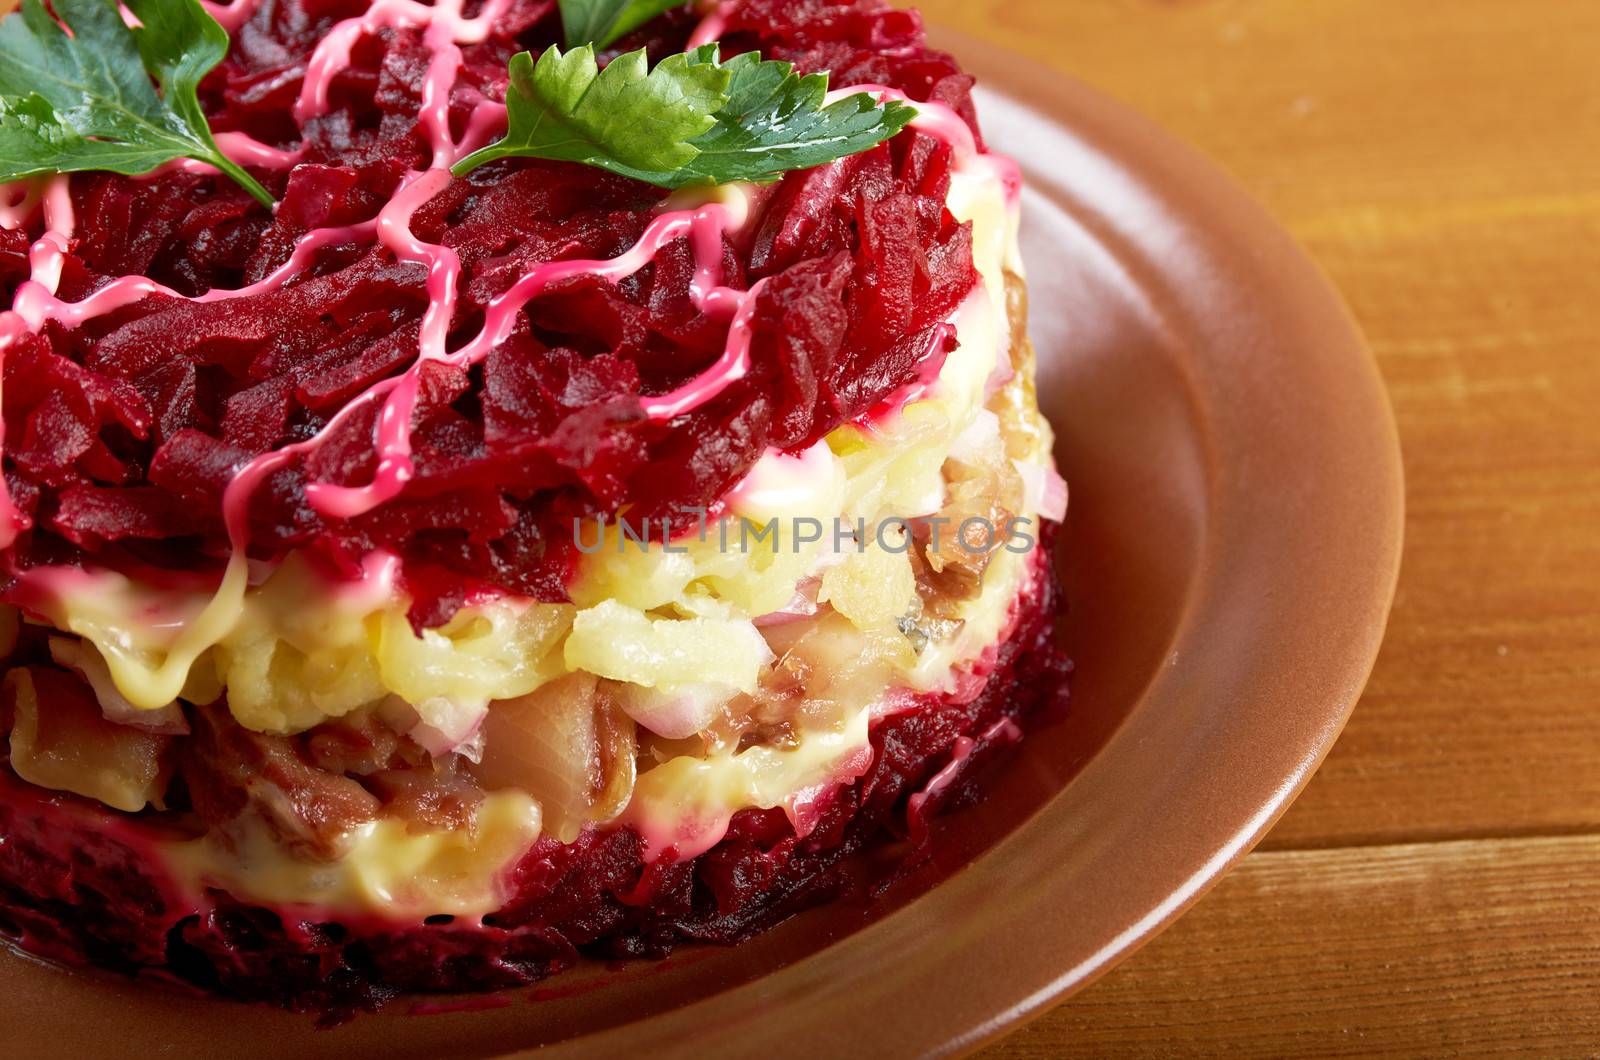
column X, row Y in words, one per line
column 693, row 119
column 599, row 22
column 87, row 100
column 776, row 121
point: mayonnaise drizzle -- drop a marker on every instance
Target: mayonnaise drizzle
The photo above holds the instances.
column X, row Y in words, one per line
column 942, row 123
column 239, row 147
column 444, row 30
column 231, row 15
column 713, row 24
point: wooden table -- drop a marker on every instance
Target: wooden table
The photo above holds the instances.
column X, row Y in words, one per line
column 1437, row 888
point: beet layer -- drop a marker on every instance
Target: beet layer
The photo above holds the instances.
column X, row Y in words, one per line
column 121, row 433
column 74, row 891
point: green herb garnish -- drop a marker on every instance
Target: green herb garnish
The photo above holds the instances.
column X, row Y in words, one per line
column 691, row 120
column 599, row 22
column 627, row 118
column 86, row 101
column 775, row 121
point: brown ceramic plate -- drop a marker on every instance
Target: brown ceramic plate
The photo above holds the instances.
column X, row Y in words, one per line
column 1230, row 560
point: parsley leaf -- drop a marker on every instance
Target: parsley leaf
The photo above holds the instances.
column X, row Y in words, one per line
column 627, row 118
column 775, row 121
column 599, row 22
column 85, row 101
column 691, row 120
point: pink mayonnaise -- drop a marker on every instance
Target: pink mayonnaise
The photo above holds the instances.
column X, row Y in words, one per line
column 711, row 27
column 942, row 123
column 232, row 15
column 18, row 201
column 128, row 290
column 241, row 148
column 1005, row 730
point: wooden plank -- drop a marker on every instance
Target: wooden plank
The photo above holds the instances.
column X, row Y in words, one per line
column 1432, row 164
column 1485, row 947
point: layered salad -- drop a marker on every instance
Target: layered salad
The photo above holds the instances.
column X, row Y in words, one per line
column 493, row 481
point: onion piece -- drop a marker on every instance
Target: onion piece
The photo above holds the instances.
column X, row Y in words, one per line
column 980, row 441
column 440, row 726
column 1005, row 370
column 803, row 605
column 837, row 550
column 1044, row 490
column 675, row 714
column 568, row 746
column 60, row 741
column 85, row 660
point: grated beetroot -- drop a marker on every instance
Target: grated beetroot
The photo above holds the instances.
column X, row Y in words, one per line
column 122, row 433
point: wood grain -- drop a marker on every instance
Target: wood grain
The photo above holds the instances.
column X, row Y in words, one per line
column 1457, row 948
column 1442, row 163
